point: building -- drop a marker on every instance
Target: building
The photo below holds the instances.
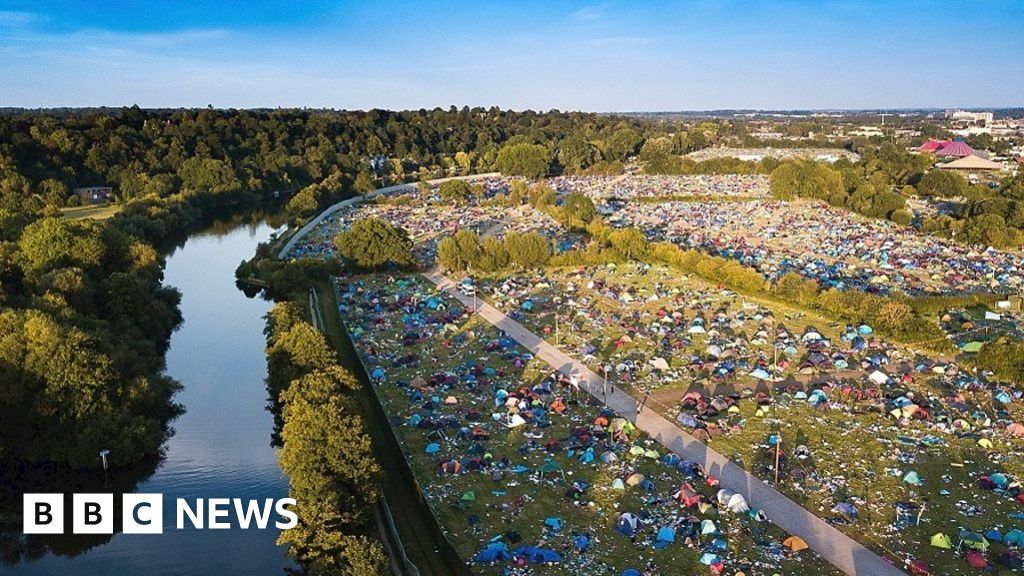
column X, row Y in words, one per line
column 94, row 194
column 867, row 131
column 971, row 163
column 955, row 149
column 965, row 118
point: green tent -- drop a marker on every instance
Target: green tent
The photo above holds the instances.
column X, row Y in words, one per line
column 972, row 347
column 469, row 496
column 940, row 540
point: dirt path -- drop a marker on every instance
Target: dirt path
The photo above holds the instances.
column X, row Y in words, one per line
column 840, row 550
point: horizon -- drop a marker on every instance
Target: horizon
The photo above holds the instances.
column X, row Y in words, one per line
column 604, row 57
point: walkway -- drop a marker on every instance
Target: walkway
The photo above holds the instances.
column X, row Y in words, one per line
column 841, row 550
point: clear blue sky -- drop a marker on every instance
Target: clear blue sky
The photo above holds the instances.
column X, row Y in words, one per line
column 605, row 56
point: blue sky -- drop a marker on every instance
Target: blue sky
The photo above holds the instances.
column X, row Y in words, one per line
column 604, row 56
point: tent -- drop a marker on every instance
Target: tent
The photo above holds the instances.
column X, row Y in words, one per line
column 973, row 540
column 972, row 347
column 975, row 560
column 737, row 504
column 495, row 552
column 795, row 543
column 536, row 555
column 666, row 536
column 659, row 363
column 912, row 478
column 627, row 524
column 940, row 540
column 554, row 523
column 433, row 448
column 878, row 377
column 1014, row 537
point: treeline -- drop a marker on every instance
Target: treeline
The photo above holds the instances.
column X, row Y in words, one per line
column 993, row 217
column 844, row 187
column 326, row 452
column 320, row 156
column 84, row 326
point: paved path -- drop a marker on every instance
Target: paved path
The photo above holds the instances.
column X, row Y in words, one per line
column 841, row 550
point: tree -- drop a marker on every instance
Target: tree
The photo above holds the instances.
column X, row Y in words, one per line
column 804, row 179
column 631, row 242
column 529, row 160
column 542, row 195
column 622, row 144
column 578, row 207
column 208, row 175
column 575, row 153
column 364, row 183
column 456, row 192
column 372, row 243
column 529, row 250
column 942, row 183
column 493, row 255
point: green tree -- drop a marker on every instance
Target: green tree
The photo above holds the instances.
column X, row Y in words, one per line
column 456, row 192
column 528, row 250
column 576, row 154
column 578, row 207
column 372, row 243
column 942, row 183
column 529, row 160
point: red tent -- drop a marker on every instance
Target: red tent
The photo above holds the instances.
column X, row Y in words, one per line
column 932, row 145
column 958, row 149
column 976, row 560
column 918, row 568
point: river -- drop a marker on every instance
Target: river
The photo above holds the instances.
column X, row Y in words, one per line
column 222, row 443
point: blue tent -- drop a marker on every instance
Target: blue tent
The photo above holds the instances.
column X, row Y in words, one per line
column 666, row 536
column 377, row 373
column 495, row 552
column 433, row 448
column 582, row 542
column 630, row 572
column 993, row 535
column 554, row 523
column 627, row 524
column 1014, row 537
column 536, row 555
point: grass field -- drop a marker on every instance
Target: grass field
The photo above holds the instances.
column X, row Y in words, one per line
column 98, row 212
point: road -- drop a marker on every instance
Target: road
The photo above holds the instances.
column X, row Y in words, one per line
column 840, row 550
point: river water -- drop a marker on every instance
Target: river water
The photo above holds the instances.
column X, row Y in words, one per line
column 222, row 443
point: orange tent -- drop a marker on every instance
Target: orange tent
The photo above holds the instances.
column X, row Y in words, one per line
column 795, row 543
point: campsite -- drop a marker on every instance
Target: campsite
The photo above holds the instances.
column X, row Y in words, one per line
column 899, row 447
column 522, row 469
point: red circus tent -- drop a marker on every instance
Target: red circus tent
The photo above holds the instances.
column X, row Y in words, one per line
column 932, row 145
column 958, row 149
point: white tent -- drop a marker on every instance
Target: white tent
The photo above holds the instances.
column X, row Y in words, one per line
column 878, row 377
column 515, row 421
column 659, row 363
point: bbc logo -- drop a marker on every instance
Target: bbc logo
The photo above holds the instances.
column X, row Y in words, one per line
column 92, row 513
column 144, row 513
